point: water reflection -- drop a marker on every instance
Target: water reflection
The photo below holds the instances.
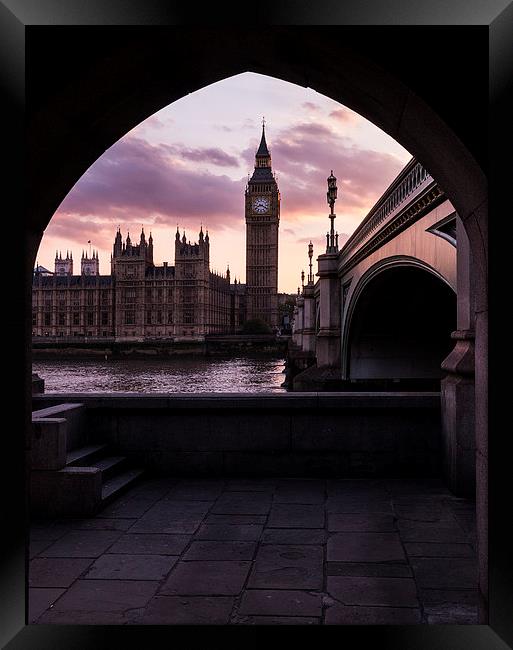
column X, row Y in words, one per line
column 176, row 375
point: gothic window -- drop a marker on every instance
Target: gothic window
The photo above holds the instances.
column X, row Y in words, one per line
column 148, row 317
column 90, row 318
column 129, row 318
column 159, row 317
column 129, row 296
column 76, row 319
column 89, row 298
column 62, row 319
column 34, row 318
column 48, row 319
column 105, row 317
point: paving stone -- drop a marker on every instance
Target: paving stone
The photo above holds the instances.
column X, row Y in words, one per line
column 150, row 544
column 196, row 491
column 52, row 617
column 360, row 523
column 234, row 520
column 451, row 615
column 433, row 549
column 40, row 600
column 412, row 487
column 49, row 532
column 243, row 503
column 37, row 546
column 187, row 610
column 207, row 578
column 354, row 486
column 388, row 592
column 131, row 567
column 365, row 547
column 314, row 536
column 106, row 595
column 102, row 524
column 296, row 516
column 126, row 508
column 152, row 489
column 172, row 517
column 373, row 569
column 56, row 572
column 277, row 620
column 224, row 550
column 262, row 602
column 351, row 615
column 453, row 573
column 82, row 543
column 417, row 531
column 428, row 513
column 251, row 485
column 447, row 596
column 220, row 532
column 338, row 505
column 287, row 567
column 307, row 492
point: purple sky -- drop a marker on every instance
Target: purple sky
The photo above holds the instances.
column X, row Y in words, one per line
column 188, row 164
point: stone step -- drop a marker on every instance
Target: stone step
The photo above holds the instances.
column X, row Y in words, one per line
column 109, row 466
column 84, row 455
column 75, row 416
column 115, row 486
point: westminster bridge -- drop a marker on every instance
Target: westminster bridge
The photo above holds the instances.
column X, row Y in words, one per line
column 391, row 310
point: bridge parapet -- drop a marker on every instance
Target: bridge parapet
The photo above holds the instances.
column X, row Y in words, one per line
column 409, row 185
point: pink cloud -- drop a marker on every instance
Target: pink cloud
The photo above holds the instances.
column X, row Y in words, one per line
column 344, row 115
column 310, row 106
column 136, row 181
column 212, row 155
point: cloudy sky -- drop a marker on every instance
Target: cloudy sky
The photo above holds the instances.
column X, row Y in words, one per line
column 188, row 164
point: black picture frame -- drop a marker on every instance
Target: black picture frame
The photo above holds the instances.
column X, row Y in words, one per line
column 15, row 17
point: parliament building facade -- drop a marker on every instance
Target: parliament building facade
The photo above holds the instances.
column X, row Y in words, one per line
column 142, row 301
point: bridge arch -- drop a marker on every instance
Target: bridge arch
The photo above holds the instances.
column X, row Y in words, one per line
column 390, row 314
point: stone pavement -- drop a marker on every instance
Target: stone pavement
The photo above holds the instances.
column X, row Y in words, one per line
column 268, row 551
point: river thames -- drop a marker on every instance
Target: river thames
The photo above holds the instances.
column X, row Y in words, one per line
column 174, row 375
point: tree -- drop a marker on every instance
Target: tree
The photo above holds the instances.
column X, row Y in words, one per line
column 256, row 326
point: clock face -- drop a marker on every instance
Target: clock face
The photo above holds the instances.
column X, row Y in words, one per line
column 261, row 204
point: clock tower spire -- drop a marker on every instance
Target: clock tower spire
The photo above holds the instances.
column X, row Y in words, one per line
column 262, row 211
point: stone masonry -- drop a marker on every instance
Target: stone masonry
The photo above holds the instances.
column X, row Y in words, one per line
column 261, row 552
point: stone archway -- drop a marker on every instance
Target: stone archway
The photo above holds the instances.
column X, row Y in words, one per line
column 100, row 93
column 401, row 315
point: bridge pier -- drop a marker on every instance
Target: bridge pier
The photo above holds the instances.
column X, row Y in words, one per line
column 458, row 421
column 458, row 386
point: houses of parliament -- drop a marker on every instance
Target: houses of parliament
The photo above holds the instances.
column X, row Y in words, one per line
column 140, row 300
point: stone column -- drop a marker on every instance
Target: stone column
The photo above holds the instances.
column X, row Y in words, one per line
column 309, row 319
column 300, row 321
column 328, row 337
column 458, row 385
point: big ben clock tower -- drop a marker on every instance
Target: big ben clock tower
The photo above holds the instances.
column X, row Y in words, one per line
column 262, row 221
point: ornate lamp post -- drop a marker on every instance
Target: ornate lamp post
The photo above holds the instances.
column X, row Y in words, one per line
column 303, row 280
column 331, row 194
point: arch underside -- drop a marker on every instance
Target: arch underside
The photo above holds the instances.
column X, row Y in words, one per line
column 399, row 324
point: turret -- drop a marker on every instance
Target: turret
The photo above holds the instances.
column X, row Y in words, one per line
column 90, row 266
column 63, row 266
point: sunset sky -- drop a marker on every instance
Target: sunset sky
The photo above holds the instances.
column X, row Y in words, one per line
column 188, row 164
